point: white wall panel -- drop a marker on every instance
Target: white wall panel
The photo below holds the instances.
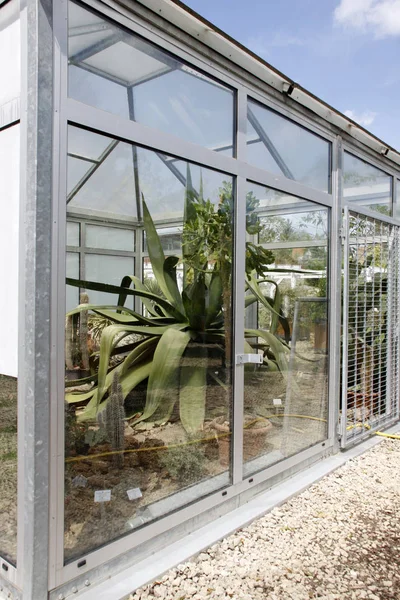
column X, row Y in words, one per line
column 9, row 221
column 10, row 59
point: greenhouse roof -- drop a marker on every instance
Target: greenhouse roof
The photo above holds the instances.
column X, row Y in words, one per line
column 199, row 28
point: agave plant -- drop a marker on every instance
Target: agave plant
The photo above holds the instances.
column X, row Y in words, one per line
column 181, row 323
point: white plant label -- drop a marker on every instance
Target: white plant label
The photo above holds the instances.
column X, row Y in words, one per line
column 134, row 493
column 102, row 496
column 277, row 401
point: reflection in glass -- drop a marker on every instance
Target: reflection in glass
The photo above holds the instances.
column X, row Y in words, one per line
column 73, row 234
column 117, row 71
column 397, row 204
column 101, row 181
column 72, row 270
column 110, row 238
column 276, row 144
column 285, row 398
column 147, row 391
column 365, row 185
column 9, row 231
column 110, row 269
column 170, row 238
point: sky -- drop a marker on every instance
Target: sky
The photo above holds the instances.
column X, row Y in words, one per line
column 346, row 52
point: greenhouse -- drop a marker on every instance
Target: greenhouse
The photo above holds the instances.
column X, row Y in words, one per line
column 201, row 285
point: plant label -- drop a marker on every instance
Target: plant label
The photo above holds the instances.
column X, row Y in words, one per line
column 277, row 401
column 102, row 496
column 134, row 493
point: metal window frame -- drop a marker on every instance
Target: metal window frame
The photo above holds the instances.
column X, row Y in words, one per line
column 194, row 52
column 95, row 557
column 188, row 54
column 81, row 115
column 40, row 503
column 368, row 158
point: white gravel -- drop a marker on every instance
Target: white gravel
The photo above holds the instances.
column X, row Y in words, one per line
column 337, row 540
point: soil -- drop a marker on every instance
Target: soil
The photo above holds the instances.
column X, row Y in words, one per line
column 148, row 464
column 8, row 468
column 90, row 524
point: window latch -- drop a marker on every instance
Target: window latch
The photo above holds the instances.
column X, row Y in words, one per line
column 245, row 359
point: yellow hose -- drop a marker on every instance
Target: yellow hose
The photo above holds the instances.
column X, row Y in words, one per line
column 221, row 435
column 207, row 439
column 391, row 436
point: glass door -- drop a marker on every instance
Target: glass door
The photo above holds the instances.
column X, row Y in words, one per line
column 286, row 325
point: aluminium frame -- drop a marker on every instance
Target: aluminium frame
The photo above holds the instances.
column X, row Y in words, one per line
column 94, row 119
column 130, row 131
column 44, row 537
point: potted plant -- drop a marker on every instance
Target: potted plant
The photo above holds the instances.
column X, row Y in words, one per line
column 255, row 430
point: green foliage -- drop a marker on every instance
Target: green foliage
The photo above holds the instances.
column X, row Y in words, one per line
column 114, row 420
column 208, row 230
column 96, row 325
column 95, row 436
column 152, row 348
column 185, row 463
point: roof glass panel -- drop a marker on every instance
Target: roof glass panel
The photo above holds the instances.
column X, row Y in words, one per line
column 107, row 177
column 276, row 144
column 118, row 71
column 366, row 185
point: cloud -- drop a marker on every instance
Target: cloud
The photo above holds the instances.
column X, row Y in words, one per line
column 365, row 118
column 381, row 17
column 262, row 44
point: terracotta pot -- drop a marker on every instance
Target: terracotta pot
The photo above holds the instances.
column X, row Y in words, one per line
column 361, row 400
column 253, row 439
column 320, row 336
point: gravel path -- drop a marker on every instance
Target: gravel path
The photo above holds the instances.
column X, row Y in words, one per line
column 337, row 540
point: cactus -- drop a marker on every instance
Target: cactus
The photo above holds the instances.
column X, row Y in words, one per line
column 69, row 332
column 115, row 421
column 83, row 332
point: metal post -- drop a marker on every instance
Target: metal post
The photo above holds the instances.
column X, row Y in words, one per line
column 36, row 202
column 238, row 330
column 335, row 285
column 239, row 217
column 345, row 330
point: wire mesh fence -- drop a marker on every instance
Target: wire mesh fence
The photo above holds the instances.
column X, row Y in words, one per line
column 370, row 332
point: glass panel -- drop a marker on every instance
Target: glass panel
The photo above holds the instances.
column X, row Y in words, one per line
column 152, row 435
column 72, row 270
column 397, row 204
column 365, row 185
column 108, row 269
column 117, row 71
column 285, row 398
column 276, row 144
column 110, row 238
column 101, row 182
column 170, row 238
column 73, row 234
column 9, row 228
column 10, row 58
